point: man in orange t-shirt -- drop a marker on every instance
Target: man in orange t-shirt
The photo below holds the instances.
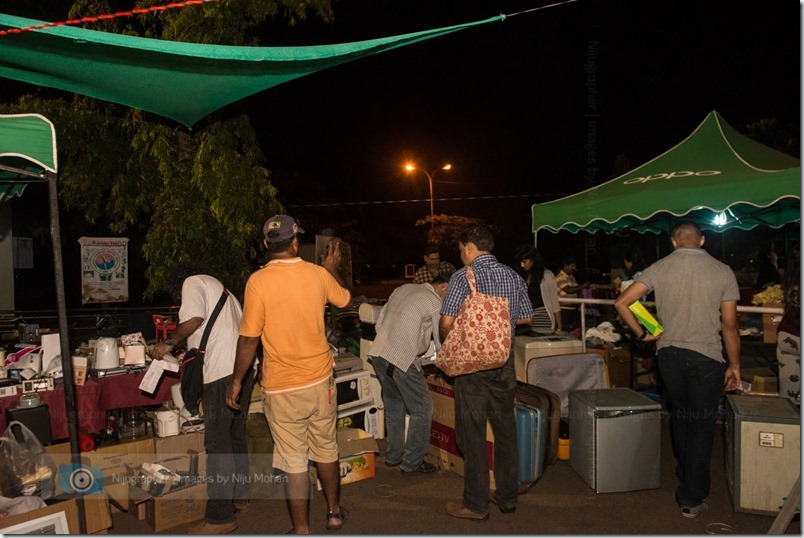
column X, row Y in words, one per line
column 284, row 307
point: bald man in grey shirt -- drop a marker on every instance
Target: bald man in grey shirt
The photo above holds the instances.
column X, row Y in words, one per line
column 696, row 302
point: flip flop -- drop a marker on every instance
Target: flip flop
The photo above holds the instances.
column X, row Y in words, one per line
column 340, row 516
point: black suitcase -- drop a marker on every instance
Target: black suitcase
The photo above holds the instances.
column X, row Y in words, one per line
column 550, row 403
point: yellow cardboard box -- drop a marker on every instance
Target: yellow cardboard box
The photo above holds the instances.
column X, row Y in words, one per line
column 356, row 450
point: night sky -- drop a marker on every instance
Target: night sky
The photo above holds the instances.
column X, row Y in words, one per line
column 526, row 110
column 534, row 107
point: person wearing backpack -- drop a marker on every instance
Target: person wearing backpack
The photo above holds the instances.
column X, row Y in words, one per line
column 209, row 320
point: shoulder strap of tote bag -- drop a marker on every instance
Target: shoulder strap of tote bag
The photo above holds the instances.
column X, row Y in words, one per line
column 218, row 307
column 470, row 277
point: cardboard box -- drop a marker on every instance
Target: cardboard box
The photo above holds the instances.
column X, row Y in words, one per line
column 443, row 449
column 177, row 506
column 61, row 518
column 770, row 322
column 136, row 509
column 356, row 450
column 109, row 463
column 107, row 458
column 178, row 445
column 759, row 381
column 97, row 512
column 118, row 496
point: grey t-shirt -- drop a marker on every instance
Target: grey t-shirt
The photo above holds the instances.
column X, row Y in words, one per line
column 690, row 285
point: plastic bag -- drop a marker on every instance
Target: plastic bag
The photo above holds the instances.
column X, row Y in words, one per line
column 19, row 505
column 28, row 469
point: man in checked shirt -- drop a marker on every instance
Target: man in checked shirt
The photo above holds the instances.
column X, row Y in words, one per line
column 488, row 394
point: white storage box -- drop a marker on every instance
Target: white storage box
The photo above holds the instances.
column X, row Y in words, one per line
column 527, row 348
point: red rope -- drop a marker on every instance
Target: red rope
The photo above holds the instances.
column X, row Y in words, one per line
column 106, row 16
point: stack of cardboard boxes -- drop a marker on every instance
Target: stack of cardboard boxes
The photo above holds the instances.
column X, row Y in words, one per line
column 114, row 470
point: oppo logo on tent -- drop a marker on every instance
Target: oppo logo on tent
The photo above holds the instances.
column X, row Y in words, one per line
column 670, row 175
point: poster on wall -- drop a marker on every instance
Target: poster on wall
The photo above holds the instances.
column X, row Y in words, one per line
column 104, row 269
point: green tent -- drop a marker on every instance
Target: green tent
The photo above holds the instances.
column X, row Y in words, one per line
column 181, row 81
column 28, row 154
column 716, row 177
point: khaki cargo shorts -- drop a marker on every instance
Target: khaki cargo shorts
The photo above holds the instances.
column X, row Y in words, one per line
column 303, row 426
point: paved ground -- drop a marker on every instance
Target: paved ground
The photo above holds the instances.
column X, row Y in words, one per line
column 560, row 503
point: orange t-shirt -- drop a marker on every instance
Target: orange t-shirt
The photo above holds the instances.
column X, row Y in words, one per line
column 284, row 305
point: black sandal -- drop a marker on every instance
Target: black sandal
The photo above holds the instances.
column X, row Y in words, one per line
column 340, row 516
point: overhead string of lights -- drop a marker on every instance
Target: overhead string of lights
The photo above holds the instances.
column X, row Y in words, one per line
column 107, row 16
column 175, row 5
column 463, row 198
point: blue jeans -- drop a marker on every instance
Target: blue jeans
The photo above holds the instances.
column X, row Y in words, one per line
column 480, row 397
column 694, row 384
column 227, row 454
column 405, row 392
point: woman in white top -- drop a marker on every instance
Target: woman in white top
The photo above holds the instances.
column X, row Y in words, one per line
column 542, row 289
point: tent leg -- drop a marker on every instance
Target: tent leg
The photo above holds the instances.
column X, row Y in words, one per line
column 64, row 341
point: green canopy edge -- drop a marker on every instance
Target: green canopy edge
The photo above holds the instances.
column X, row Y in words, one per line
column 716, row 177
column 27, row 149
column 181, row 81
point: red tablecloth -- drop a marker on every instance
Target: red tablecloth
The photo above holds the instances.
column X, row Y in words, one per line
column 93, row 400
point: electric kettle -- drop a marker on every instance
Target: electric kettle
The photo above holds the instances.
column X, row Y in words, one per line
column 106, row 354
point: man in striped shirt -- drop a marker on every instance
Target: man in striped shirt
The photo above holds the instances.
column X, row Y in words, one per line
column 405, row 334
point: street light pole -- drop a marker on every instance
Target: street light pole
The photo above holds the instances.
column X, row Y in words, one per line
column 410, row 168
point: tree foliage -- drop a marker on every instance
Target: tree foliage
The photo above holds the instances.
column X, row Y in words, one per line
column 776, row 134
column 198, row 195
column 444, row 230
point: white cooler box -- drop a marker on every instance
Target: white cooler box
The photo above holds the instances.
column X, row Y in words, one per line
column 527, row 348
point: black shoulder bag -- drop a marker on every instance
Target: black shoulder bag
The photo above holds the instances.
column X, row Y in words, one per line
column 192, row 376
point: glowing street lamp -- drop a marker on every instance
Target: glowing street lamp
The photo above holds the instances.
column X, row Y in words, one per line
column 410, row 167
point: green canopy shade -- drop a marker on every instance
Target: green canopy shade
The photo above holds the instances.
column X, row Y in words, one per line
column 181, row 81
column 27, row 148
column 716, row 177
